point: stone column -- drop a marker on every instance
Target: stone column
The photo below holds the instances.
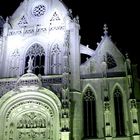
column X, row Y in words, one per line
column 74, row 55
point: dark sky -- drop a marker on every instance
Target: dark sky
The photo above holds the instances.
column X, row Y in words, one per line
column 121, row 17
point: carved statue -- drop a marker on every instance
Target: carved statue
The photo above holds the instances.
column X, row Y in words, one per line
column 128, row 64
column 134, row 116
column 30, row 65
column 107, row 114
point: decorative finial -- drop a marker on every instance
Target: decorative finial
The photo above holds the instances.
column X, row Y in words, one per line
column 7, row 19
column 97, row 43
column 126, row 55
column 77, row 19
column 30, row 65
column 70, row 10
column 105, row 29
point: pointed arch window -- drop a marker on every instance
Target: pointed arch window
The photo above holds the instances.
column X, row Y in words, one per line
column 37, row 53
column 119, row 118
column 56, row 60
column 111, row 63
column 89, row 108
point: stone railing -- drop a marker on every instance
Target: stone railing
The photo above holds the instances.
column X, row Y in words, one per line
column 55, row 79
column 7, row 84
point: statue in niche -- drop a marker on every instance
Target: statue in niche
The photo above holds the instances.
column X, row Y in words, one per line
column 65, row 122
column 134, row 115
column 107, row 115
column 104, row 66
column 30, row 65
column 135, row 127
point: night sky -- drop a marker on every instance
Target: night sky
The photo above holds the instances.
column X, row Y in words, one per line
column 121, row 17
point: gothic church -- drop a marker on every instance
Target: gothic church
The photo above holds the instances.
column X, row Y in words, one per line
column 46, row 93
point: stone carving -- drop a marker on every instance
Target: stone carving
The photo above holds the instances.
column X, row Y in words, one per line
column 134, row 117
column 23, row 22
column 30, row 126
column 105, row 29
column 27, row 31
column 11, row 131
column 30, row 64
column 107, row 117
column 14, row 64
column 34, row 56
column 65, row 117
column 55, row 17
column 6, row 86
column 32, row 135
column 30, row 102
column 31, row 120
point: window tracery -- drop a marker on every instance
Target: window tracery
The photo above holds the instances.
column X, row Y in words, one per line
column 37, row 53
column 118, row 103
column 110, row 61
column 31, row 120
column 23, row 21
column 56, row 23
column 89, row 104
column 39, row 10
column 56, row 60
column 55, row 17
column 14, row 63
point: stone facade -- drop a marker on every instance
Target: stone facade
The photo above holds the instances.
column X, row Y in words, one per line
column 46, row 93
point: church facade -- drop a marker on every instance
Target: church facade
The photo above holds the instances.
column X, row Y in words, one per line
column 46, row 93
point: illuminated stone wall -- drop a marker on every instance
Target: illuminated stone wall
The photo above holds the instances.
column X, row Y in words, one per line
column 45, row 91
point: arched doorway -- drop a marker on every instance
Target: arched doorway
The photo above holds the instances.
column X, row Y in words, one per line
column 30, row 115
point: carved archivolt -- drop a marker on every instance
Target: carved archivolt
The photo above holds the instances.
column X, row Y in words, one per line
column 29, row 115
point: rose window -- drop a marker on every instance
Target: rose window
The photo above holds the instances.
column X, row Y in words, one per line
column 39, row 10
